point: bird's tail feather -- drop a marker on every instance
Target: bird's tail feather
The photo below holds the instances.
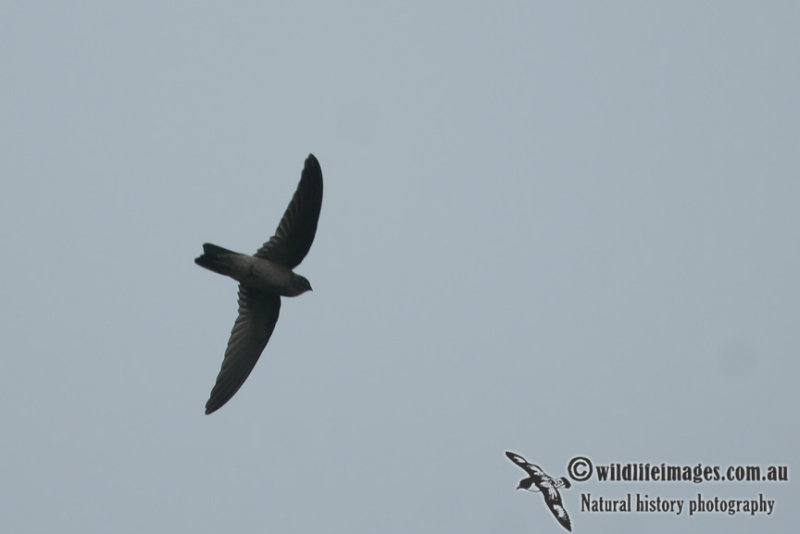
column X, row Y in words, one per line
column 216, row 259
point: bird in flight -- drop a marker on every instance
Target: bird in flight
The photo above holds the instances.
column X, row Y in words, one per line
column 263, row 279
column 546, row 484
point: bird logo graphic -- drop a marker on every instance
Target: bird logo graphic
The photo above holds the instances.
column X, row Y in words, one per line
column 538, row 480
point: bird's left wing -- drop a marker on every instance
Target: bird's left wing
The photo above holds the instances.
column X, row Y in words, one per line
column 258, row 313
column 553, row 500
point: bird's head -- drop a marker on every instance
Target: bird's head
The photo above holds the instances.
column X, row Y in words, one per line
column 300, row 284
column 525, row 484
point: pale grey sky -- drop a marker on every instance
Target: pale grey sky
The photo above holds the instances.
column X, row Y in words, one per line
column 551, row 228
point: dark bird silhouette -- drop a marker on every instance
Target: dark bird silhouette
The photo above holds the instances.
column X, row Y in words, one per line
column 263, row 279
column 546, row 484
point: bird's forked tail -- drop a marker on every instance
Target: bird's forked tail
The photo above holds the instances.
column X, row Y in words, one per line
column 216, row 259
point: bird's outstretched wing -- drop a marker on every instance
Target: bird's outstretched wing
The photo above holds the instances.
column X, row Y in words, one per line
column 297, row 228
column 553, row 500
column 258, row 313
column 531, row 469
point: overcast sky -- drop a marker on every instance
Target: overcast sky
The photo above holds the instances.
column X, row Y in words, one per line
column 548, row 228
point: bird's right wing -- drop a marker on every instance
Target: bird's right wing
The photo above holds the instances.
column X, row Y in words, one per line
column 297, row 228
column 523, row 463
column 258, row 313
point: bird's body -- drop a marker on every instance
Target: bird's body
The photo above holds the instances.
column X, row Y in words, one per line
column 263, row 279
column 253, row 272
column 540, row 480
